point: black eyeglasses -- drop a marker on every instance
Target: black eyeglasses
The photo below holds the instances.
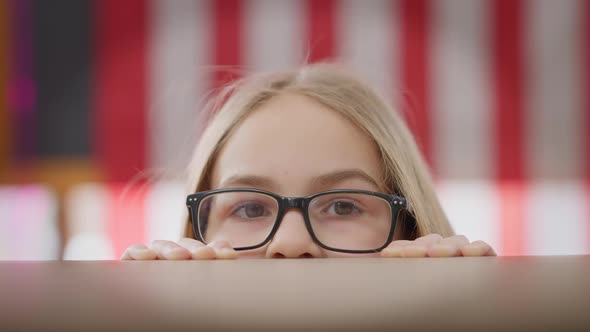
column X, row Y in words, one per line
column 349, row 221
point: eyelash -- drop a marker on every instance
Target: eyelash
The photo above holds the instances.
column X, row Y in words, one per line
column 356, row 206
column 243, row 205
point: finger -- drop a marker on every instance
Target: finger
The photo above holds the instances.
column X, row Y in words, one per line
column 198, row 250
column 414, row 250
column 428, row 240
column 126, row 255
column 459, row 240
column 400, row 243
column 139, row 252
column 448, row 247
column 477, row 248
column 394, row 249
column 420, row 246
column 444, row 250
column 223, row 250
column 170, row 250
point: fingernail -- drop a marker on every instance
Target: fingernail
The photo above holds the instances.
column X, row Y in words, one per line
column 203, row 253
column 138, row 250
column 413, row 251
column 219, row 244
column 175, row 253
column 392, row 252
column 141, row 253
column 473, row 250
column 227, row 253
column 443, row 250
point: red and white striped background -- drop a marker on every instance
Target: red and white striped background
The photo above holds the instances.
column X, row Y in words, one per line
column 497, row 93
column 544, row 217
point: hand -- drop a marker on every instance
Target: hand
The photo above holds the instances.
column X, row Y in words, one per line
column 185, row 249
column 434, row 245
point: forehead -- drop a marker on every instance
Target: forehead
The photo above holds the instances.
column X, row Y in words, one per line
column 292, row 139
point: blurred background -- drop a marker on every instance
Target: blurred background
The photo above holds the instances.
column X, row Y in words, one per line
column 95, row 92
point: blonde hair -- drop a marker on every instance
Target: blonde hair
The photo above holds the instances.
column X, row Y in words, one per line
column 405, row 171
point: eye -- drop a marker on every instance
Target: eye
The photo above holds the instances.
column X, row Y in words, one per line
column 251, row 211
column 343, row 208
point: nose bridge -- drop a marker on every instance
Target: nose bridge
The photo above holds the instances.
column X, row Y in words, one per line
column 292, row 238
column 293, row 203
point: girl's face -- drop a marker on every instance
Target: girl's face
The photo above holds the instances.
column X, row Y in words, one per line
column 294, row 146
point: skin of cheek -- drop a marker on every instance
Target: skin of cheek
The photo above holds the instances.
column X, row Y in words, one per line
column 366, row 238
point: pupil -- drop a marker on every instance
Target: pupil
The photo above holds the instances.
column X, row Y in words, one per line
column 253, row 211
column 344, row 208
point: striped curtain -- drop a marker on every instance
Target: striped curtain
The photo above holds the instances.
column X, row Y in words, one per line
column 497, row 92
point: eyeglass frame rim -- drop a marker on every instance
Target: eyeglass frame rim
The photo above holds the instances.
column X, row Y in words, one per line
column 397, row 204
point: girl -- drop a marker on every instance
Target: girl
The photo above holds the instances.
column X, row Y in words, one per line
column 309, row 163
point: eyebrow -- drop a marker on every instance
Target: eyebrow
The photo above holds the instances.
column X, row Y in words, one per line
column 324, row 180
column 249, row 180
column 335, row 177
